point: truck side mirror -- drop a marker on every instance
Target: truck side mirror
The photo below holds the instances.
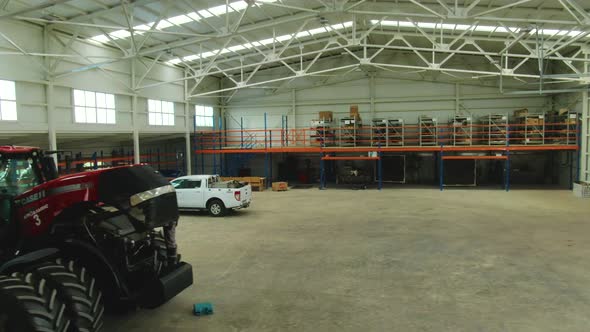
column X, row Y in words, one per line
column 48, row 167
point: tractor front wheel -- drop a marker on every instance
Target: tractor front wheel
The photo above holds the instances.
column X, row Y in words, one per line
column 78, row 290
column 28, row 305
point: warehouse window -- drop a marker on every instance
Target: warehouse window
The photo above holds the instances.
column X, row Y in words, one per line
column 160, row 113
column 7, row 101
column 94, row 107
column 203, row 116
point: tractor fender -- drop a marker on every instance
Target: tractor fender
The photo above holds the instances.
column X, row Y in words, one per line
column 28, row 259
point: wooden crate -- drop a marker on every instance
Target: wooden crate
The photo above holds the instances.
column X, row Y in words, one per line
column 257, row 183
column 280, row 186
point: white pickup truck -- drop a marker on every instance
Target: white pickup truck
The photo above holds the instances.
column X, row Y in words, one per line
column 199, row 192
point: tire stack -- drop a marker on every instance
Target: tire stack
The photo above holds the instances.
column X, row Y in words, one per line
column 58, row 296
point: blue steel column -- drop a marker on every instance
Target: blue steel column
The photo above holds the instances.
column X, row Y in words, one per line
column 507, row 163
column 270, row 159
column 195, row 145
column 440, row 168
column 214, row 147
column 322, row 172
column 579, row 131
column 282, row 130
column 380, row 167
column 221, row 158
column 287, row 130
column 265, row 152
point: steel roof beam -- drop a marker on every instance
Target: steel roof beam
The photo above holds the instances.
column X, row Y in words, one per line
column 41, row 6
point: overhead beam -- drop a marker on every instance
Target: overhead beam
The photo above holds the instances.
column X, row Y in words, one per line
column 112, row 9
column 29, row 9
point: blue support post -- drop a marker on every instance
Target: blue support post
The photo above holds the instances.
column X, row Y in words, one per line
column 220, row 146
column 283, row 133
column 265, row 152
column 242, row 132
column 214, row 146
column 579, row 150
column 440, row 168
column 507, row 163
column 379, row 167
column 270, row 161
column 322, row 172
column 286, row 130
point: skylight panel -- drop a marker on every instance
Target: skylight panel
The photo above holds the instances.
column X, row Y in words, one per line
column 317, row 31
column 100, row 38
column 219, row 10
column 205, row 13
column 426, row 25
column 238, row 5
column 180, row 19
column 142, row 28
column 120, row 34
column 163, row 24
column 283, row 38
column 207, row 54
column 302, row 34
column 236, row 48
column 190, row 57
column 264, row 42
column 194, row 16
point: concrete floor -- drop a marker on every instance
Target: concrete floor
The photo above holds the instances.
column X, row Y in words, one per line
column 396, row 260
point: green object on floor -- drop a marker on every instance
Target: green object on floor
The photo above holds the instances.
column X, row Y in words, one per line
column 202, row 309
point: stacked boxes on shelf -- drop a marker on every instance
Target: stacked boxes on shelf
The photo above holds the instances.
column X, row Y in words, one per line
column 530, row 128
column 428, row 130
column 561, row 127
column 493, row 129
column 462, row 130
column 322, row 133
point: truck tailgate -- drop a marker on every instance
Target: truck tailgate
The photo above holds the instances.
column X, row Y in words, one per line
column 246, row 193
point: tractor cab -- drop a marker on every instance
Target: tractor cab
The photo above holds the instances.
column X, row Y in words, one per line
column 21, row 169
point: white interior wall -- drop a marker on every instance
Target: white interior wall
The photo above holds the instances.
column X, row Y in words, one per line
column 33, row 103
column 393, row 98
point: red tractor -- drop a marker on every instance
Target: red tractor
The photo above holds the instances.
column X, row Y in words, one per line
column 72, row 246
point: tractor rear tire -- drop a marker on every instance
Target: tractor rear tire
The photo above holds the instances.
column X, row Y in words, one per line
column 78, row 290
column 30, row 305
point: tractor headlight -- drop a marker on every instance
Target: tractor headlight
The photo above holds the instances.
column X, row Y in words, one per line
column 150, row 194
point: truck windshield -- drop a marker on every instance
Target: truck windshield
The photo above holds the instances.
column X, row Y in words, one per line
column 17, row 176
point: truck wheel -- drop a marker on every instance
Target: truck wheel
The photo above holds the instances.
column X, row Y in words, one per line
column 28, row 305
column 216, row 208
column 79, row 292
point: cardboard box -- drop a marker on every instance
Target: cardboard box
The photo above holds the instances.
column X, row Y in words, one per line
column 280, row 186
column 534, row 121
column 563, row 111
column 326, row 116
column 521, row 112
column 354, row 112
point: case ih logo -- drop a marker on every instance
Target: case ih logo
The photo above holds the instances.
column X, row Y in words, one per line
column 30, row 198
column 53, row 191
